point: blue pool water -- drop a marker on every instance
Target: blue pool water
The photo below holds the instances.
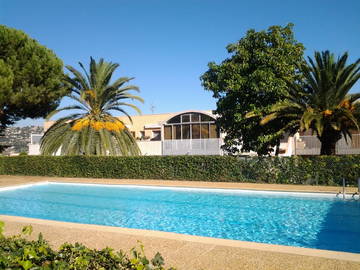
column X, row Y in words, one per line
column 277, row 218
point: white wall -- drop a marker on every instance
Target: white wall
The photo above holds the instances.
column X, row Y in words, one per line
column 289, row 146
column 192, row 147
column 34, row 149
column 150, row 148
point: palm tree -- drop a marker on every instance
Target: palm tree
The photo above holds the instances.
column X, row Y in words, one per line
column 321, row 102
column 90, row 128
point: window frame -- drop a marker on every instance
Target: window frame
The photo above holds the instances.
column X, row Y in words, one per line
column 210, row 121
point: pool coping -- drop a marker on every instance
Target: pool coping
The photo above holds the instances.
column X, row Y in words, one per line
column 355, row 257
column 11, row 180
column 188, row 188
column 328, row 254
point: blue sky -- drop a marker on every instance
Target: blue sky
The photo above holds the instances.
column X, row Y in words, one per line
column 166, row 45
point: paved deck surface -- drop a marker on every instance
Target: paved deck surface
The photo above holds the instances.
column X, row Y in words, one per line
column 183, row 251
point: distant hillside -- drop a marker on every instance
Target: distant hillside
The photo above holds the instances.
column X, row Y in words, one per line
column 18, row 138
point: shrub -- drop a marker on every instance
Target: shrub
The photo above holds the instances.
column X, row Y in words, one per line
column 321, row 170
column 17, row 252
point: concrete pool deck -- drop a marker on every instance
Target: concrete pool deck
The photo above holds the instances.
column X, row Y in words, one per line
column 184, row 251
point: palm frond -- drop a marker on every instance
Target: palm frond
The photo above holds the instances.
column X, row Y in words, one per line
column 95, row 131
column 67, row 108
column 321, row 102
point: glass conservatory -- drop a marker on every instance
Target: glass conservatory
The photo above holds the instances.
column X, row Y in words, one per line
column 191, row 133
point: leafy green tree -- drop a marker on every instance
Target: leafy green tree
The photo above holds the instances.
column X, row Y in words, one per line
column 321, row 102
column 90, row 128
column 252, row 79
column 30, row 78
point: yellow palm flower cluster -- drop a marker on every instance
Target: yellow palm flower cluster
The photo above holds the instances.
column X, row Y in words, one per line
column 98, row 125
column 90, row 93
column 79, row 124
column 347, row 105
column 327, row 112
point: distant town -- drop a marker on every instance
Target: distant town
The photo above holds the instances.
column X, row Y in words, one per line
column 18, row 138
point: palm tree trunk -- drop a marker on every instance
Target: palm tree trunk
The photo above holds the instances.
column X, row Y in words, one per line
column 328, row 141
column 277, row 151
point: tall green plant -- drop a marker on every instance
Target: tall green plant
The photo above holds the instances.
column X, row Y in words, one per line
column 30, row 78
column 90, row 128
column 321, row 102
column 253, row 78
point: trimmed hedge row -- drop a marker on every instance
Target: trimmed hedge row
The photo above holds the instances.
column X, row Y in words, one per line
column 320, row 170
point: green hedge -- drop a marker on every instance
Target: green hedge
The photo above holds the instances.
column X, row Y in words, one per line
column 321, row 170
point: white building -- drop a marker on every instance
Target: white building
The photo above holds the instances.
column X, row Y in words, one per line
column 195, row 133
column 34, row 145
column 184, row 133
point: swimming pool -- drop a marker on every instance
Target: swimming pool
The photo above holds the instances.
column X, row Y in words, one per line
column 294, row 219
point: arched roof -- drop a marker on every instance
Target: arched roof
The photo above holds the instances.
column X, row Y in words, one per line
column 207, row 117
column 190, row 125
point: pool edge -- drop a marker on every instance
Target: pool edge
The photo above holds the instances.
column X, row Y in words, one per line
column 225, row 190
column 10, row 180
column 17, row 186
column 328, row 254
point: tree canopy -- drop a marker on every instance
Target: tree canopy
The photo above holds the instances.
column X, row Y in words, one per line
column 321, row 101
column 90, row 128
column 30, row 78
column 253, row 78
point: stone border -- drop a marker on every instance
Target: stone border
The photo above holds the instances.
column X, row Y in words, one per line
column 10, row 180
column 188, row 188
column 190, row 238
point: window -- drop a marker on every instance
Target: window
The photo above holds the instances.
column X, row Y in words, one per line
column 196, row 131
column 35, row 138
column 175, row 119
column 177, row 132
column 206, row 118
column 185, row 118
column 190, row 126
column 204, row 131
column 213, row 131
column 195, row 117
column 156, row 135
column 167, row 132
column 185, row 132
